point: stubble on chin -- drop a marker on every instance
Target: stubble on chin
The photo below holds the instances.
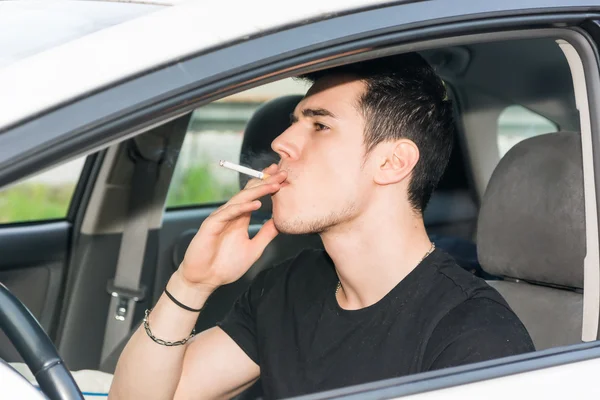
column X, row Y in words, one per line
column 306, row 225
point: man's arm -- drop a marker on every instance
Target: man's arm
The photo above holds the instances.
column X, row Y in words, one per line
column 479, row 329
column 215, row 367
column 211, row 365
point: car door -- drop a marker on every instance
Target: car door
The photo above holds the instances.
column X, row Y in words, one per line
column 135, row 109
column 36, row 221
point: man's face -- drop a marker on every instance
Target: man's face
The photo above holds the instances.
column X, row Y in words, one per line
column 323, row 152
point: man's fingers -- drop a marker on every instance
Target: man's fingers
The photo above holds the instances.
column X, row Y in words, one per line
column 271, row 169
column 258, row 191
column 250, row 193
column 265, row 235
column 233, row 211
column 274, row 177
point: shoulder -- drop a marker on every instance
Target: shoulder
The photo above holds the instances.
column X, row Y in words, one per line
column 479, row 314
column 458, row 283
column 478, row 329
column 475, row 323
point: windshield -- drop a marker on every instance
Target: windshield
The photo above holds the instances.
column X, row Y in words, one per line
column 30, row 27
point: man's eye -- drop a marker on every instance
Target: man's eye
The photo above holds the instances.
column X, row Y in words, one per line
column 320, row 127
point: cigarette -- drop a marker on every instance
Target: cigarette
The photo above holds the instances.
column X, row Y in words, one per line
column 244, row 170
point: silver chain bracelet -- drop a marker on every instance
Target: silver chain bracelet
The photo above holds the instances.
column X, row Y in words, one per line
column 164, row 342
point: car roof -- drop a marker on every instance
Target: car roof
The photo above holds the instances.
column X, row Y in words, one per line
column 30, row 27
column 110, row 54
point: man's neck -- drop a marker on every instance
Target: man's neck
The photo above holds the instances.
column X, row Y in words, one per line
column 372, row 255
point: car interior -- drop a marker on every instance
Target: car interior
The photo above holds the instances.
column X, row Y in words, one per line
column 509, row 208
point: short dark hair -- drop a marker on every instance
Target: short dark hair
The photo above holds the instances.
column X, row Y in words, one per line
column 405, row 98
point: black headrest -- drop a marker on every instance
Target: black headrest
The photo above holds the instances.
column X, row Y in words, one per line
column 532, row 218
column 268, row 122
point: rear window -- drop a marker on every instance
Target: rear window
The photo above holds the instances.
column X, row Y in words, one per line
column 518, row 123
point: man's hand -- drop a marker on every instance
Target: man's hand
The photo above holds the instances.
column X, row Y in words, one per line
column 211, row 365
column 222, row 251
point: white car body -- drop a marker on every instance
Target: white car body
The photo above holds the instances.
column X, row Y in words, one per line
column 156, row 33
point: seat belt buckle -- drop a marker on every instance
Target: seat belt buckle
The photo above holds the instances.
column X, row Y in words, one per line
column 123, row 297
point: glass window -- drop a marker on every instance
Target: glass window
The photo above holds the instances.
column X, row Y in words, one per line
column 46, row 196
column 517, row 123
column 215, row 133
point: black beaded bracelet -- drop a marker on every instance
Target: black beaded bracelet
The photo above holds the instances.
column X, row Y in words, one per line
column 169, row 295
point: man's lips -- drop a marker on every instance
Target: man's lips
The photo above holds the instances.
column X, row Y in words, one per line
column 286, row 182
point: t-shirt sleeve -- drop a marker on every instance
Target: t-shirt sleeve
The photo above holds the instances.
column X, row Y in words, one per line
column 240, row 321
column 479, row 329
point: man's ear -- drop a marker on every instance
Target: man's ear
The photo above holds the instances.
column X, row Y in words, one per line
column 395, row 161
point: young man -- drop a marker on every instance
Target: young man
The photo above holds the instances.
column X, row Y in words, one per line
column 366, row 148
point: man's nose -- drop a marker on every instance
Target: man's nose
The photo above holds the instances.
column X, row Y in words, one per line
column 285, row 146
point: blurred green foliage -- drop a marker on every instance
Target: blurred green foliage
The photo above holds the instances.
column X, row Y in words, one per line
column 30, row 201
column 197, row 185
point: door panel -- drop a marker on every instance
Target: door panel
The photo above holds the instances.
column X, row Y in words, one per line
column 35, row 240
column 32, row 266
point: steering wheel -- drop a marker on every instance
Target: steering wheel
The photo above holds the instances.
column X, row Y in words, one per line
column 36, row 348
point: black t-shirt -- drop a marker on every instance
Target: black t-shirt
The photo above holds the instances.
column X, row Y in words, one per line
column 439, row 315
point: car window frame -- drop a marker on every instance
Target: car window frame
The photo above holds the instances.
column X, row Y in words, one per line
column 107, row 114
column 131, row 123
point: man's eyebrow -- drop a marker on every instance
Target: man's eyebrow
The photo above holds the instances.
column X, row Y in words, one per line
column 312, row 112
column 317, row 112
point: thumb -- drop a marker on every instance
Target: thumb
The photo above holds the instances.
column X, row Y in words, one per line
column 265, row 235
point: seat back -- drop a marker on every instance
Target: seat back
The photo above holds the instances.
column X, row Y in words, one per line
column 552, row 317
column 531, row 231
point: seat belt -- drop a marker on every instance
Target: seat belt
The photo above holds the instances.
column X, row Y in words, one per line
column 125, row 289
